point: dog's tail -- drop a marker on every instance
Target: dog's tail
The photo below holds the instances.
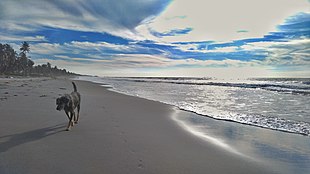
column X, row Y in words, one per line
column 74, row 87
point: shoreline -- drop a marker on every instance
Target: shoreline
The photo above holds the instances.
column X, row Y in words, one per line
column 175, row 111
column 117, row 134
column 285, row 151
column 294, row 124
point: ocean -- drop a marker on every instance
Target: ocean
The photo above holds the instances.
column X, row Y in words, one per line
column 265, row 119
column 279, row 104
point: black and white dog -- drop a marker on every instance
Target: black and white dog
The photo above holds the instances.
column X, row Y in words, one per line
column 68, row 103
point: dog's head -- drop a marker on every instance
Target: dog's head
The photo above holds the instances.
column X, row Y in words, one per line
column 61, row 102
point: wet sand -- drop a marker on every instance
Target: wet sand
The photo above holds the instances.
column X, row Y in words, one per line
column 116, row 134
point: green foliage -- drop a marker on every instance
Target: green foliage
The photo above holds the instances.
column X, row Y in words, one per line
column 12, row 63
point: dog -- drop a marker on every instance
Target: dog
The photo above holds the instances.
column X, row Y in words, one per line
column 68, row 103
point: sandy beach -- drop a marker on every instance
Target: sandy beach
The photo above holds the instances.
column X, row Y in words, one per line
column 116, row 134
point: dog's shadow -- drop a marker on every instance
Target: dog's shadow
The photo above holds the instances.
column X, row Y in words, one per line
column 14, row 140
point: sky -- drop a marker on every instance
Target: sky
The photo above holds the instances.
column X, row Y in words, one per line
column 205, row 38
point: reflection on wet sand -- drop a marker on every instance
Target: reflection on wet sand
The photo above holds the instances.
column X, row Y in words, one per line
column 285, row 152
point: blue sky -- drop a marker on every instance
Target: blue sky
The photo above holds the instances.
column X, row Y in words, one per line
column 226, row 39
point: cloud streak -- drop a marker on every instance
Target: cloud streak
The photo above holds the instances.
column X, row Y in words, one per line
column 161, row 35
column 115, row 17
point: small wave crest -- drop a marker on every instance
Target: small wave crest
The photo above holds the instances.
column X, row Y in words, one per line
column 268, row 122
column 301, row 88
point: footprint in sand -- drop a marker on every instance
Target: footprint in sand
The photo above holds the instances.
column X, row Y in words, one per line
column 22, row 85
column 3, row 98
column 140, row 165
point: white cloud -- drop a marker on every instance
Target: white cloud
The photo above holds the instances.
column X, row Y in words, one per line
column 156, row 65
column 115, row 69
column 293, row 52
column 220, row 20
column 228, row 49
column 94, row 50
column 6, row 37
column 270, row 44
column 210, row 20
column 134, row 61
column 100, row 45
column 46, row 48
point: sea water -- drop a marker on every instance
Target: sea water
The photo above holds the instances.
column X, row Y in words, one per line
column 278, row 104
column 262, row 119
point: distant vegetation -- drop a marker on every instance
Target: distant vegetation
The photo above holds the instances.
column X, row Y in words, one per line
column 12, row 63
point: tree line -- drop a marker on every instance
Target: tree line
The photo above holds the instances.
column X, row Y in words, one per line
column 13, row 63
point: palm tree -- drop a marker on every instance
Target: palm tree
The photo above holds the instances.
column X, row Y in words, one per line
column 7, row 58
column 25, row 47
column 22, row 61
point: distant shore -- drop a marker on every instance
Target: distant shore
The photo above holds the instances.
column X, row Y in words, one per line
column 116, row 134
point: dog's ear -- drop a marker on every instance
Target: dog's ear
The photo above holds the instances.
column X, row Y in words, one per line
column 57, row 101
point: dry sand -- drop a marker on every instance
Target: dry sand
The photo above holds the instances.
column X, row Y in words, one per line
column 116, row 134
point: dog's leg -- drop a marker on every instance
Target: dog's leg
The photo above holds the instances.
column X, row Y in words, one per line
column 74, row 119
column 78, row 114
column 67, row 114
column 70, row 121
